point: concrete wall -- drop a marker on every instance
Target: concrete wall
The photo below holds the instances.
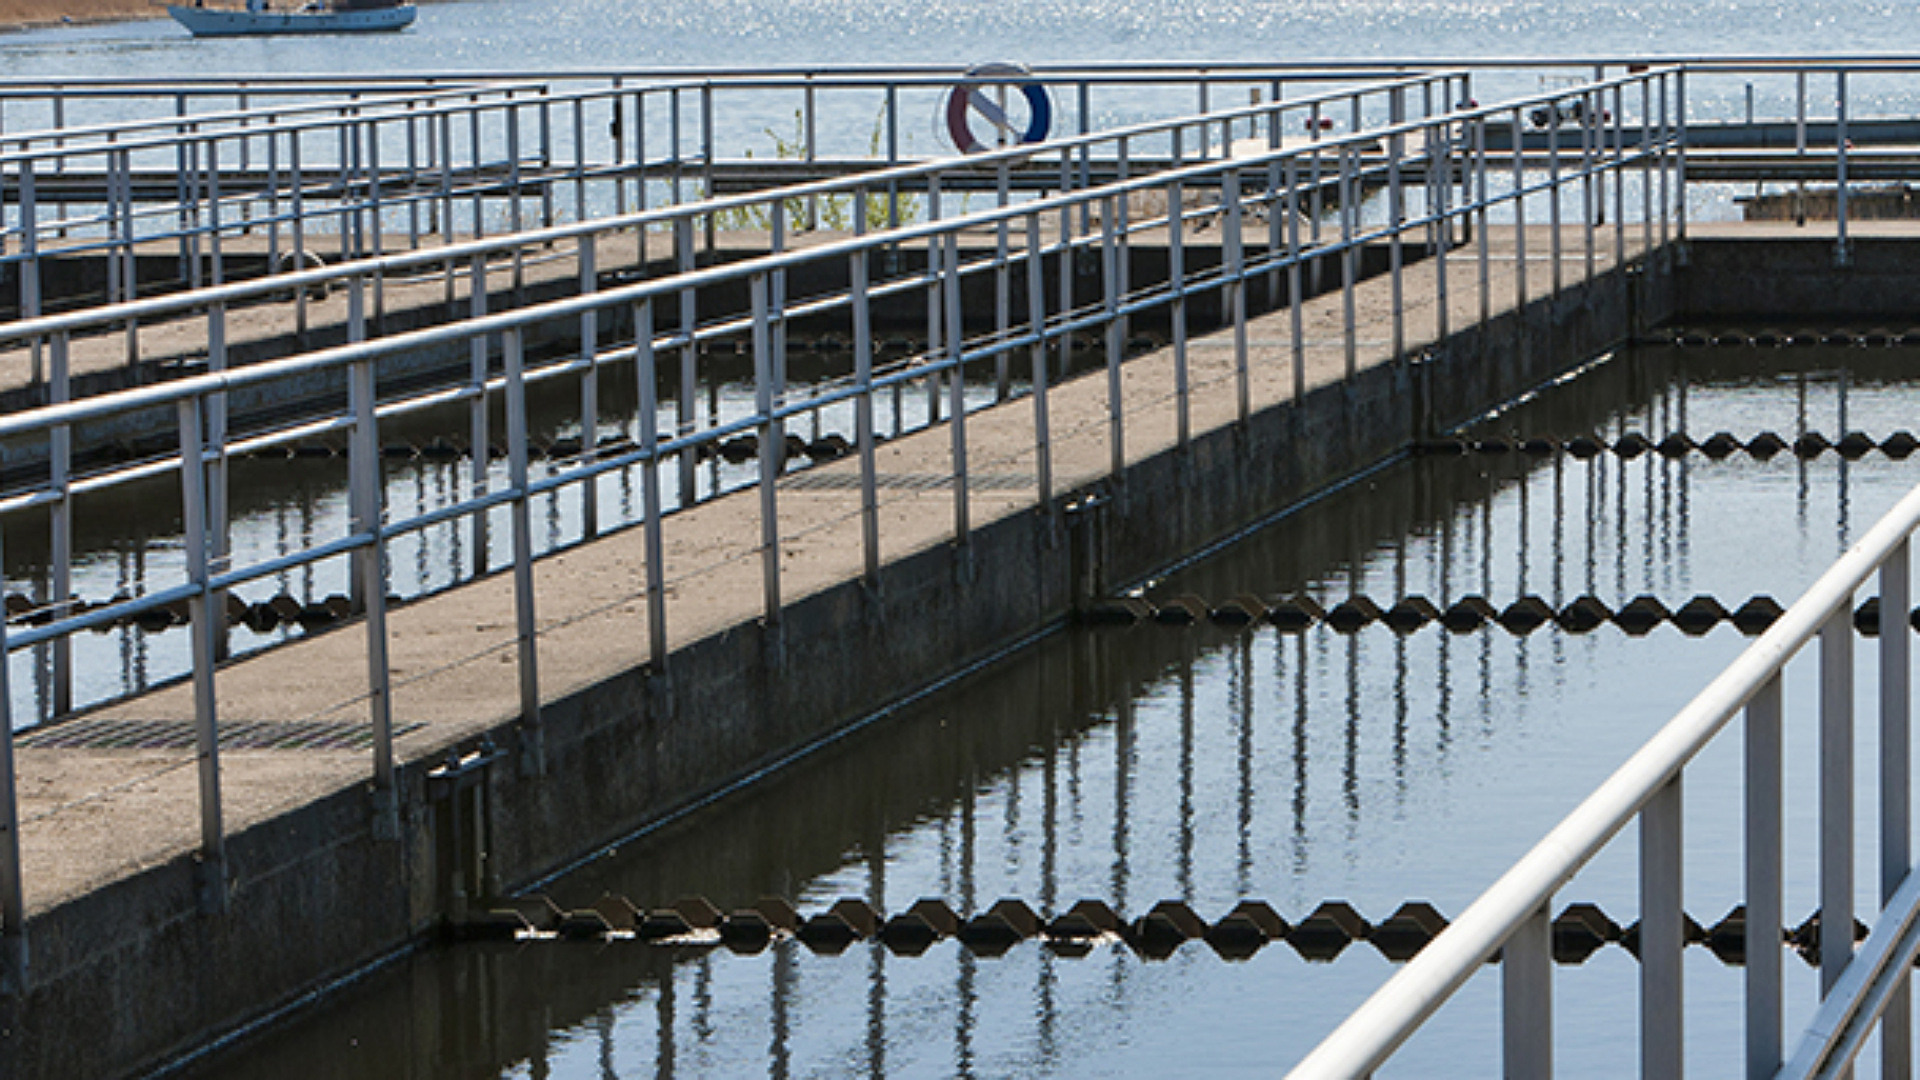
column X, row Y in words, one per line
column 132, row 974
column 1780, row 282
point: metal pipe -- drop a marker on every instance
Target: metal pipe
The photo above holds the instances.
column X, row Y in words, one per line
column 1896, row 778
column 957, row 384
column 1526, row 998
column 1662, row 985
column 1836, row 795
column 648, row 378
column 1370, row 1034
column 769, row 452
column 13, row 906
column 1037, row 322
column 1761, row 792
column 212, row 868
column 863, row 418
column 526, row 631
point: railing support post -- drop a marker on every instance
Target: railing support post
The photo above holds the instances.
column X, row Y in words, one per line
column 1763, row 884
column 1896, row 799
column 212, row 870
column 60, row 522
column 1037, row 321
column 770, row 452
column 957, row 395
column 1526, row 998
column 1662, row 1031
column 13, row 907
column 647, row 375
column 1110, row 309
column 1836, row 795
column 370, row 582
column 526, row 633
column 858, row 273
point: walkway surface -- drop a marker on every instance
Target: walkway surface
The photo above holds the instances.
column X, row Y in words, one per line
column 94, row 815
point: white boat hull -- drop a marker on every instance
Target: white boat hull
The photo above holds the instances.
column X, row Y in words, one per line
column 228, row 22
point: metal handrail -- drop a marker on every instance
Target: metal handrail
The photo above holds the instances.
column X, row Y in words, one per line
column 12, row 425
column 1444, row 143
column 110, row 316
column 1515, row 904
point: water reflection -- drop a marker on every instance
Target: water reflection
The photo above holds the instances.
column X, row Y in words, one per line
column 1198, row 763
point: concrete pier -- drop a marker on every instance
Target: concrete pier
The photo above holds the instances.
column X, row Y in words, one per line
column 315, row 893
column 126, row 969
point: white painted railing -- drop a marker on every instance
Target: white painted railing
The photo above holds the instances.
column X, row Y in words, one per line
column 1512, row 920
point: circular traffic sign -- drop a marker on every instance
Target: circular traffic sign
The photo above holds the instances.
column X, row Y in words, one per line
column 971, row 98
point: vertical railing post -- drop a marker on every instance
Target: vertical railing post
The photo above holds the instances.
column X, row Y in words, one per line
column 1002, row 287
column 13, row 905
column 1836, row 795
column 480, row 440
column 648, row 376
column 1764, row 871
column 370, row 583
column 219, row 515
column 1483, row 216
column 60, row 522
column 1662, row 1030
column 1519, row 214
column 29, row 253
column 1110, row 311
column 1296, row 296
column 1896, row 797
column 858, row 273
column 589, row 387
column 957, row 392
column 1526, row 998
column 936, row 319
column 1843, row 248
column 687, row 403
column 770, row 451
column 1396, row 214
column 1236, row 268
column 1554, row 194
column 212, row 883
column 1350, row 262
column 526, row 634
column 1177, row 286
column 1037, row 323
column 1680, row 155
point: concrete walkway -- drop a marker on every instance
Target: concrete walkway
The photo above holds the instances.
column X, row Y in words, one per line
column 91, row 816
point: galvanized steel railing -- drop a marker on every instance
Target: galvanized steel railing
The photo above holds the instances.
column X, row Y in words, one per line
column 1441, row 190
column 1512, row 919
column 387, row 159
column 679, row 217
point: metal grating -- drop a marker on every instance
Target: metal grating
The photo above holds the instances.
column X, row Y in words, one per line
column 111, row 734
column 810, row 480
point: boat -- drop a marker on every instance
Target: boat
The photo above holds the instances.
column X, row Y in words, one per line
column 314, row 17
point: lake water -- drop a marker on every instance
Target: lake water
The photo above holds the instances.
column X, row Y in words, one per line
column 1141, row 765
column 523, row 35
column 1205, row 765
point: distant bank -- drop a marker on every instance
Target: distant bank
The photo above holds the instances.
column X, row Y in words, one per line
column 29, row 14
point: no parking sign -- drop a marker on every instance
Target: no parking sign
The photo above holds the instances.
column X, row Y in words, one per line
column 986, row 95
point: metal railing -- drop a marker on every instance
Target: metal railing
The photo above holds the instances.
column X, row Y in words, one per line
column 386, row 159
column 365, row 283
column 1439, row 188
column 1187, row 138
column 1513, row 917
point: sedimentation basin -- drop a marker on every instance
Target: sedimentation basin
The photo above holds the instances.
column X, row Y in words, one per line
column 317, row 895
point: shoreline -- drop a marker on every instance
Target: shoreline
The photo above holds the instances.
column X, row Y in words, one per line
column 21, row 15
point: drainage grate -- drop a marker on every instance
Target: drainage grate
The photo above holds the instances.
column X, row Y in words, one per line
column 850, row 481
column 106, row 734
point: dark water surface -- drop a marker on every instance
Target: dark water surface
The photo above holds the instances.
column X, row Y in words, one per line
column 1211, row 765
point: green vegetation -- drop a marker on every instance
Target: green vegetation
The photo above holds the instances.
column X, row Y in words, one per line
column 833, row 212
